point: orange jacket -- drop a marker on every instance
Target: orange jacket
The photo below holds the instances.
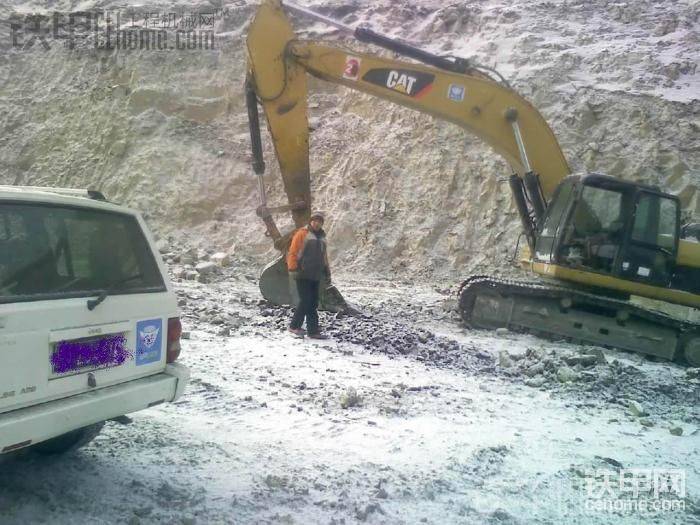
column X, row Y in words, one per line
column 296, row 250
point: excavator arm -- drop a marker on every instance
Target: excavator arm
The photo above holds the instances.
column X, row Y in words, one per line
column 278, row 63
column 479, row 105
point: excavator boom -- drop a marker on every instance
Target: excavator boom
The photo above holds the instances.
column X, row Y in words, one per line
column 482, row 106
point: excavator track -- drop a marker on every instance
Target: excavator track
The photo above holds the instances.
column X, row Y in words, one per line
column 559, row 312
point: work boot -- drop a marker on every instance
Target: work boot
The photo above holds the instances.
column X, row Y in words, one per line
column 298, row 332
column 318, row 335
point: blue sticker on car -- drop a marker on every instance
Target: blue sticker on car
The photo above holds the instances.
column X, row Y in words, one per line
column 149, row 340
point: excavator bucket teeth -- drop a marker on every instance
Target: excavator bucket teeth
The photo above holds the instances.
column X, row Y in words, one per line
column 332, row 300
column 277, row 287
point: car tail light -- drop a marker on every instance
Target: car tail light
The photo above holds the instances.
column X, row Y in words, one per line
column 174, row 333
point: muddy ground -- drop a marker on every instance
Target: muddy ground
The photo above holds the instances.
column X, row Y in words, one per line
column 402, row 416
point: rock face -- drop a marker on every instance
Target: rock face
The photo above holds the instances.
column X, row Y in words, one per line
column 166, row 131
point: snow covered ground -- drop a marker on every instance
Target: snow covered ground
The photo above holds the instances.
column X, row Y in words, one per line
column 440, row 428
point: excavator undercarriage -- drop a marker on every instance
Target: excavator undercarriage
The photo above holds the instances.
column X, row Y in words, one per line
column 556, row 311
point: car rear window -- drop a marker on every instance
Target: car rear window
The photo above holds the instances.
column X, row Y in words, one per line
column 53, row 252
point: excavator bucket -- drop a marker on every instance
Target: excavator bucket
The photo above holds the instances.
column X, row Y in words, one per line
column 278, row 287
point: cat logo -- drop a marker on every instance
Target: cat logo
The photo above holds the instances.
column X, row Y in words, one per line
column 400, row 82
column 413, row 84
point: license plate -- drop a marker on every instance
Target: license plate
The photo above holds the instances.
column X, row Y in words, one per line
column 91, row 353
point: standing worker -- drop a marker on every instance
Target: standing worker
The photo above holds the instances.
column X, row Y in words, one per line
column 307, row 262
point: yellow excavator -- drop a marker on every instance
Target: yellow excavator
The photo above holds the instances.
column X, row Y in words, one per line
column 596, row 243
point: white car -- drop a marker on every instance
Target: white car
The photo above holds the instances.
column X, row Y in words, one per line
column 89, row 322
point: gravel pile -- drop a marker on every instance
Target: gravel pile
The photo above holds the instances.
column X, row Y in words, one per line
column 595, row 375
column 392, row 337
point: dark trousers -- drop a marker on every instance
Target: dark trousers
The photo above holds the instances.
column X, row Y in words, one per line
column 308, row 305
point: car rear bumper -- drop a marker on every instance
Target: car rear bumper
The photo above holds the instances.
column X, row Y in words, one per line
column 27, row 426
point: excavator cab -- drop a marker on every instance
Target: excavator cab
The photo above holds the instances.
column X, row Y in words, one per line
column 605, row 225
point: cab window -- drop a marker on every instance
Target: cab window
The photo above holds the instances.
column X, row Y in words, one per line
column 655, row 221
column 598, row 211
